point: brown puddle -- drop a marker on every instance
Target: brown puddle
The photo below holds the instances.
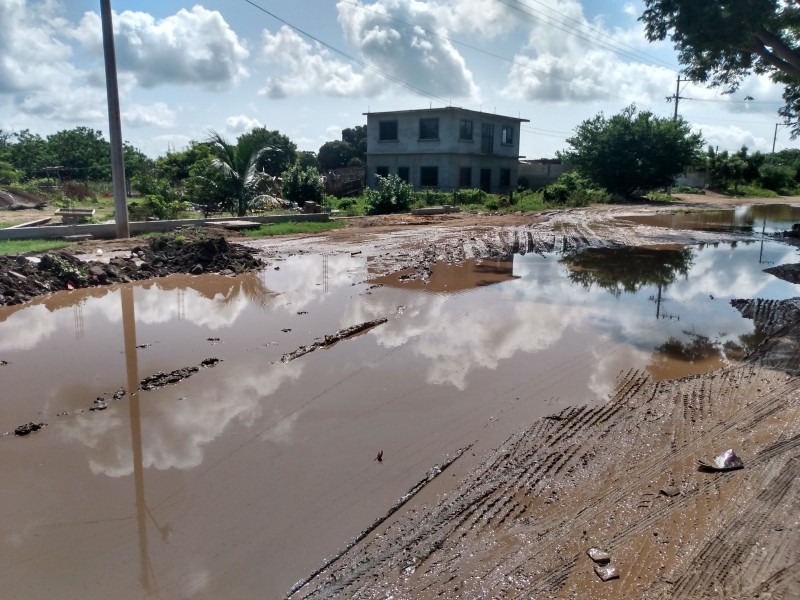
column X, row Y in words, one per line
column 758, row 218
column 243, row 478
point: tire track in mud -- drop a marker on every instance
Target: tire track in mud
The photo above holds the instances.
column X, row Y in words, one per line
column 505, row 492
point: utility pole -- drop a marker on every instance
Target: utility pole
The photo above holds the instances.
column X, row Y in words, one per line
column 677, row 95
column 114, row 124
column 775, row 137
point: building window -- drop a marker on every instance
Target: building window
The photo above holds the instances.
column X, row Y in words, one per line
column 507, row 137
column 487, row 138
column 505, row 177
column 465, row 177
column 402, row 173
column 387, row 131
column 465, row 130
column 429, row 176
column 486, row 180
column 382, row 171
column 429, row 129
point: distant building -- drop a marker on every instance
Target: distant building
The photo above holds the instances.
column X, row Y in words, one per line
column 444, row 148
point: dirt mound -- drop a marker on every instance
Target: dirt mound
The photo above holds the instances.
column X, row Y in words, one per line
column 22, row 279
column 14, row 199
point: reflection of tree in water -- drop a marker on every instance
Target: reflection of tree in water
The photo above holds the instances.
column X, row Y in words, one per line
column 620, row 270
column 251, row 286
column 700, row 347
column 747, row 343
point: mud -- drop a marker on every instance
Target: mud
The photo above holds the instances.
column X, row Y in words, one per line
column 22, row 279
column 511, row 522
column 330, row 340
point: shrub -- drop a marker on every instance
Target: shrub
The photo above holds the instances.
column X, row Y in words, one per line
column 776, row 177
column 573, row 190
column 393, row 195
column 302, row 184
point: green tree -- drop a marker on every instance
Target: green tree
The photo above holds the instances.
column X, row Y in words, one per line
column 725, row 169
column 206, row 188
column 307, row 159
column 334, row 155
column 82, row 152
column 720, row 43
column 392, row 195
column 238, row 165
column 136, row 161
column 176, row 165
column 302, row 184
column 31, row 154
column 279, row 152
column 8, row 174
column 356, row 137
column 632, row 151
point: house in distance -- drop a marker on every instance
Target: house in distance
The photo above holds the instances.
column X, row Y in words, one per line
column 444, row 148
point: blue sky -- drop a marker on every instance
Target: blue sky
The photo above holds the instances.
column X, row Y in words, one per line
column 309, row 68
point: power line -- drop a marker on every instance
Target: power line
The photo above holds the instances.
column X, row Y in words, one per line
column 613, row 45
column 349, row 57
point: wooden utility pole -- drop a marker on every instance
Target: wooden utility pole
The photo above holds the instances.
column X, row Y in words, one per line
column 114, row 124
column 677, row 95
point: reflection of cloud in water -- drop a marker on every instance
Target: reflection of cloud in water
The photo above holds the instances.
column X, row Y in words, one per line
column 26, row 329
column 219, row 304
column 175, row 431
column 301, row 279
column 452, row 344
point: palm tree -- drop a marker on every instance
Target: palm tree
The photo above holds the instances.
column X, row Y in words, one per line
column 237, row 163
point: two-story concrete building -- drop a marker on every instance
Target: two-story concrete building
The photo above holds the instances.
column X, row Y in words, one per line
column 444, row 148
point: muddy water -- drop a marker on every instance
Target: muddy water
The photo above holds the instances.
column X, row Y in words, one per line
column 758, row 218
column 241, row 479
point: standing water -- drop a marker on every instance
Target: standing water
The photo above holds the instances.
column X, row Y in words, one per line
column 241, row 478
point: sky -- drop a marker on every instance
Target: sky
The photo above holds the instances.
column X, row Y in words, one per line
column 310, row 68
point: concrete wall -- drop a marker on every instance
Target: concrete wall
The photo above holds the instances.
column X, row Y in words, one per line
column 540, row 173
column 692, row 178
column 109, row 230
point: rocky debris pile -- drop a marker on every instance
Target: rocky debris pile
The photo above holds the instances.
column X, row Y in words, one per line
column 22, row 279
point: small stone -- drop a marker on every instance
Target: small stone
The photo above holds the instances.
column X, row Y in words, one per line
column 599, row 555
column 606, row 572
column 23, row 430
column 197, row 269
column 670, row 490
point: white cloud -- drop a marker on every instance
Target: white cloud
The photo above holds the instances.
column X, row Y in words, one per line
column 731, row 137
column 31, row 57
column 194, row 46
column 311, row 69
column 157, row 115
column 238, row 124
column 560, row 64
column 420, row 56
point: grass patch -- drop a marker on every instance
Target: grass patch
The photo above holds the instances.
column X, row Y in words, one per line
column 654, row 196
column 752, row 191
column 290, row 227
column 4, row 224
column 27, row 246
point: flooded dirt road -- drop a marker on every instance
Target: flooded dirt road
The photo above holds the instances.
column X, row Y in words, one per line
column 552, row 350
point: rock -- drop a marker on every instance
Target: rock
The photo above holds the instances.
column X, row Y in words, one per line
column 23, row 430
column 670, row 490
column 606, row 572
column 599, row 555
column 197, row 269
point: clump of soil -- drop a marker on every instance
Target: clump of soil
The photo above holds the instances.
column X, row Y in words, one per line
column 22, row 279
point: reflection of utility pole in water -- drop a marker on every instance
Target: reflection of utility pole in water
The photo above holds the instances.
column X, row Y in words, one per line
column 77, row 313
column 131, row 363
column 761, row 260
column 658, row 302
column 325, row 273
